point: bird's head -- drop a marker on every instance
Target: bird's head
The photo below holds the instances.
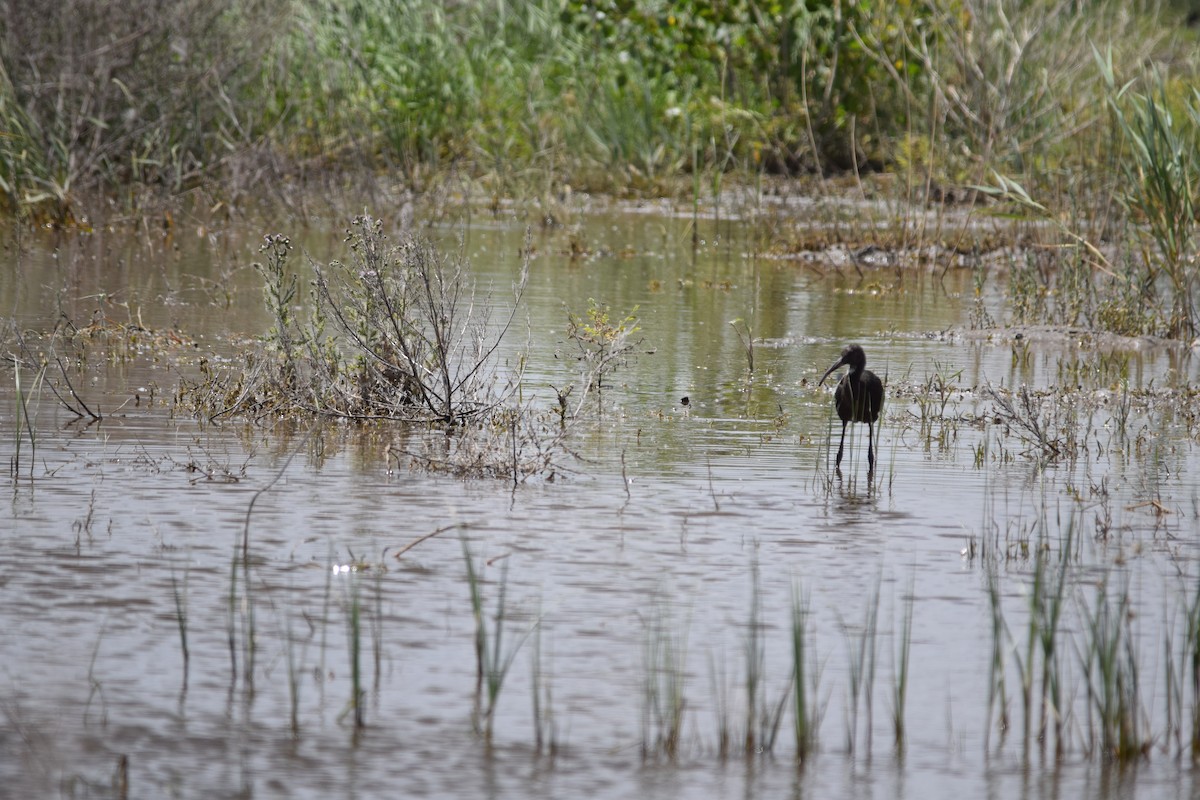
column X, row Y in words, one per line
column 853, row 356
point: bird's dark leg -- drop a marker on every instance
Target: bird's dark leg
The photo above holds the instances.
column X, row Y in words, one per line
column 870, row 447
column 841, row 445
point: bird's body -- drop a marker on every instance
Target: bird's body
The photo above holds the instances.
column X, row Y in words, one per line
column 858, row 398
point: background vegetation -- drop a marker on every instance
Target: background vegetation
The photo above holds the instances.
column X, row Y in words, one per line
column 1079, row 113
column 610, row 95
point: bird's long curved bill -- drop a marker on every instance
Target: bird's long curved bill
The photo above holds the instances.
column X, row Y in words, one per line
column 829, row 372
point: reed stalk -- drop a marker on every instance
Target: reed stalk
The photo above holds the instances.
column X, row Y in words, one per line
column 806, row 718
column 492, row 661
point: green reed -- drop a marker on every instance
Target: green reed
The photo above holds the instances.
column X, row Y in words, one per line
column 997, row 698
column 354, row 623
column 806, row 716
column 1112, row 672
column 901, row 676
column 1162, row 186
column 861, row 647
column 492, row 661
column 545, row 731
column 1047, row 600
column 763, row 716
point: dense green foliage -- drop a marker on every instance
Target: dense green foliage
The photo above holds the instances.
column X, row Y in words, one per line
column 611, row 95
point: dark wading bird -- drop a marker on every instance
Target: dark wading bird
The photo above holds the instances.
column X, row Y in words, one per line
column 858, row 398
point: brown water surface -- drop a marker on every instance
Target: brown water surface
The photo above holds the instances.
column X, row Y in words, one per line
column 656, row 540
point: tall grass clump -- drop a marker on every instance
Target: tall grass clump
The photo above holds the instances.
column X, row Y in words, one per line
column 1116, row 713
column 763, row 715
column 1162, row 192
column 378, row 79
column 1011, row 78
column 527, row 98
column 1038, row 659
column 861, row 644
column 1123, row 212
column 664, row 699
column 1047, row 600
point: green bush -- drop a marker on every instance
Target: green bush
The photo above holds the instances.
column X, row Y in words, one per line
column 608, row 95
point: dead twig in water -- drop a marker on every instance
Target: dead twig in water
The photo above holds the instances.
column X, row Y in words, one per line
column 1021, row 412
column 426, row 537
column 1159, row 509
column 94, row 416
column 625, row 483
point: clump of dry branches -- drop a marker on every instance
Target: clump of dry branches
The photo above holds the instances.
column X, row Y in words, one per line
column 393, row 333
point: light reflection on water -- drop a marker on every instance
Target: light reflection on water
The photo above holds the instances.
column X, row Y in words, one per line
column 664, row 522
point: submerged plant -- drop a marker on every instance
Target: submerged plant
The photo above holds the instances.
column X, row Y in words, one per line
column 181, row 618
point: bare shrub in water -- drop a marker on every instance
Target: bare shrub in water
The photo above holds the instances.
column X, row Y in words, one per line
column 419, row 345
column 394, row 333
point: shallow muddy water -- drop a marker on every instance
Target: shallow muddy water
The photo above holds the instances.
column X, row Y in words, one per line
column 673, row 546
